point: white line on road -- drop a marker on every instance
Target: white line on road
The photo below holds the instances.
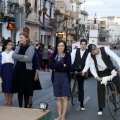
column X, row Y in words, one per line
column 85, row 101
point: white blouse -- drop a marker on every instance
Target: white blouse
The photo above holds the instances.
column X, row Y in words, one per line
column 7, row 57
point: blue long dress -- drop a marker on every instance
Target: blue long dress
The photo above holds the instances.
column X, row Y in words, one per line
column 6, row 70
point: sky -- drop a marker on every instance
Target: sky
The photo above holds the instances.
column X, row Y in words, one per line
column 103, row 8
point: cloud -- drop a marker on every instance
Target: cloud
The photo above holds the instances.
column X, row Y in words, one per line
column 102, row 7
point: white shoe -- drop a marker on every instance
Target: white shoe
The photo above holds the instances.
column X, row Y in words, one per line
column 83, row 109
column 100, row 113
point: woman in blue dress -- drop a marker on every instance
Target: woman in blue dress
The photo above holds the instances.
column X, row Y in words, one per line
column 60, row 63
column 6, row 70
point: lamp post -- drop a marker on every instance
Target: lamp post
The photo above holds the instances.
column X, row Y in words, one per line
column 77, row 23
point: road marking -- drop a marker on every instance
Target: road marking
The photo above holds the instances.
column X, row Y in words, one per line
column 85, row 101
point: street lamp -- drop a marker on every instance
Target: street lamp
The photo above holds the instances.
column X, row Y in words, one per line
column 77, row 25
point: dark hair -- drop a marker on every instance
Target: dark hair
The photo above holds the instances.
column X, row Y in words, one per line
column 91, row 47
column 83, row 40
column 60, row 41
column 5, row 44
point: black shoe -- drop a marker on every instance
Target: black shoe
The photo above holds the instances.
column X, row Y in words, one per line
column 29, row 105
column 100, row 109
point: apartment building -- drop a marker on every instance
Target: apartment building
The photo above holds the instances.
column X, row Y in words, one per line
column 110, row 26
column 36, row 31
column 73, row 7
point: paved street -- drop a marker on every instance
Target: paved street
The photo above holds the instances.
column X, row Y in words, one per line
column 73, row 113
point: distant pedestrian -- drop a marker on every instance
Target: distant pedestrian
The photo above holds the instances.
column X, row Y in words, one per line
column 45, row 58
column 6, row 70
column 60, row 63
column 22, row 74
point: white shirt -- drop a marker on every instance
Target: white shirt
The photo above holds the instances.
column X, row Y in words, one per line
column 7, row 57
column 73, row 54
column 100, row 63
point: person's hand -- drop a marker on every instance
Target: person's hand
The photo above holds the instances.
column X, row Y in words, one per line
column 83, row 73
column 25, row 56
column 64, row 65
column 98, row 78
column 118, row 70
column 36, row 78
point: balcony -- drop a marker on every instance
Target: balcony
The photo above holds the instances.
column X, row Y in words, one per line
column 64, row 11
column 74, row 15
column 76, row 1
column 102, row 24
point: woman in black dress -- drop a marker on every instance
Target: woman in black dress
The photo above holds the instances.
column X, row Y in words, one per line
column 60, row 63
column 22, row 74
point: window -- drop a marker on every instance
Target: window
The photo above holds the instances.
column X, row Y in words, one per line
column 35, row 6
column 72, row 7
column 7, row 0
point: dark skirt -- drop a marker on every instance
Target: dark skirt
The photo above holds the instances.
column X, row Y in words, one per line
column 36, row 84
column 22, row 79
column 6, row 75
column 61, row 84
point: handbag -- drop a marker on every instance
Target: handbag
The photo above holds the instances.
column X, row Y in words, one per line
column 0, row 84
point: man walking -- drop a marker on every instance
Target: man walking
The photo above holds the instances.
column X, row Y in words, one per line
column 80, row 63
column 101, row 66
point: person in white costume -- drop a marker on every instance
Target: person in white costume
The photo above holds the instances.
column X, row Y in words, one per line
column 103, row 69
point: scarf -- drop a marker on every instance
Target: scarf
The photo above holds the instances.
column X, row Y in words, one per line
column 59, row 57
